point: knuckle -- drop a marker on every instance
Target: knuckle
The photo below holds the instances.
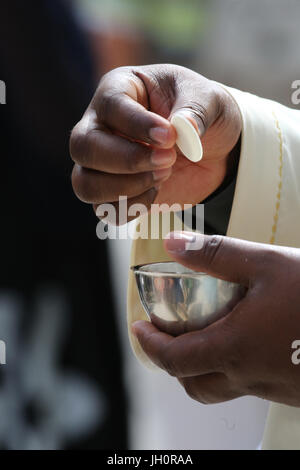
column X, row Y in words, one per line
column 200, row 113
column 108, row 78
column 168, row 362
column 78, row 144
column 191, row 390
column 234, row 362
column 105, row 79
column 269, row 257
column 107, row 101
column 198, row 110
column 81, row 185
column 202, row 394
column 75, row 177
column 78, row 183
column 215, row 351
column 258, row 388
column 233, row 359
column 131, row 161
column 211, row 248
column 134, row 159
column 206, row 399
column 217, row 102
column 125, row 185
column 149, row 197
column 142, row 183
column 146, row 341
column 104, row 103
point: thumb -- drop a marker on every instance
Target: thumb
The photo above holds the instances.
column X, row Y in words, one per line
column 201, row 107
column 226, row 258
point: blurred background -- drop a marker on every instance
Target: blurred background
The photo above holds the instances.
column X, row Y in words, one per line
column 71, row 381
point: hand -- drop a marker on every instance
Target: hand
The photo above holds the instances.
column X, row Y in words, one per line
column 125, row 144
column 249, row 351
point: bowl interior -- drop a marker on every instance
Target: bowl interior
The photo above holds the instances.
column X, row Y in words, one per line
column 177, row 299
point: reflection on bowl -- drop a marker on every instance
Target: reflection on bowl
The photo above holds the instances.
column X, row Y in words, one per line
column 178, row 300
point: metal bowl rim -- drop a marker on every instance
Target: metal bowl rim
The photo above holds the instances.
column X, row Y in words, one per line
column 136, row 270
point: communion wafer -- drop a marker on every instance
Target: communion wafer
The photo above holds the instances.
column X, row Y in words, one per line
column 188, row 141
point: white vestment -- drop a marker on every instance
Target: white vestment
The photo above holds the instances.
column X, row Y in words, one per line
column 266, row 209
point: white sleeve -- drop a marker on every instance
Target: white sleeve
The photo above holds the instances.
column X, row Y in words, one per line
column 266, row 208
column 267, row 196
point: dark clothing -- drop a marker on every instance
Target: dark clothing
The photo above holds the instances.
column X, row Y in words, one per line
column 48, row 238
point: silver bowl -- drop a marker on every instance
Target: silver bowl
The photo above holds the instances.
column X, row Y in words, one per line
column 178, row 300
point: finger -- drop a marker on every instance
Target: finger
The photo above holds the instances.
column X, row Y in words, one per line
column 223, row 257
column 96, row 187
column 135, row 207
column 103, row 151
column 118, row 108
column 210, row 389
column 191, row 354
column 200, row 104
column 153, row 341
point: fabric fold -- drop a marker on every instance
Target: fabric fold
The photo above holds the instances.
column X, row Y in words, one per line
column 265, row 209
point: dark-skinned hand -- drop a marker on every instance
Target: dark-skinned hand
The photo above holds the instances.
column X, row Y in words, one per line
column 249, row 351
column 125, row 144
